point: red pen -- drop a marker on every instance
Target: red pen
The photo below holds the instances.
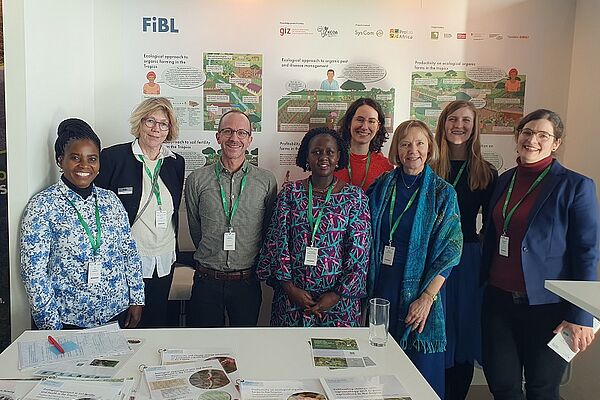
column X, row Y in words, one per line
column 54, row 343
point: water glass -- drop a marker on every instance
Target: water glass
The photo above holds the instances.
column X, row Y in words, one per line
column 379, row 321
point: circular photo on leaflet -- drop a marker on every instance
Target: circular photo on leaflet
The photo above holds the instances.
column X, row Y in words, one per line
column 209, row 379
column 216, row 395
column 307, row 396
column 228, row 363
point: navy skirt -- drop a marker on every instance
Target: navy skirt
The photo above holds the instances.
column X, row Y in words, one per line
column 464, row 295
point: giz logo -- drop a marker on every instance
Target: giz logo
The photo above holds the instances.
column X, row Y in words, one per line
column 158, row 24
column 284, row 31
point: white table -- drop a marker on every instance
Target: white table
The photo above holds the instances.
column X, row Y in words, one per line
column 261, row 353
column 584, row 294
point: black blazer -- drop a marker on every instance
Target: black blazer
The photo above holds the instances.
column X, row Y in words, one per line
column 119, row 169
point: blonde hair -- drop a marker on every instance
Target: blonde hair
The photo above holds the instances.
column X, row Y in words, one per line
column 401, row 132
column 149, row 106
column 480, row 171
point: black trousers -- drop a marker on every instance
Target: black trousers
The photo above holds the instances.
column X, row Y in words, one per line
column 212, row 298
column 156, row 294
column 515, row 337
column 458, row 381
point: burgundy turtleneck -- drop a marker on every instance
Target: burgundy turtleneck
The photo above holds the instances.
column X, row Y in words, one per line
column 506, row 273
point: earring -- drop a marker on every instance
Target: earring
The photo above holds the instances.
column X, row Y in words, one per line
column 307, row 167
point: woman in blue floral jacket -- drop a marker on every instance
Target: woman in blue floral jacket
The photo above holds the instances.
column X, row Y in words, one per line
column 79, row 265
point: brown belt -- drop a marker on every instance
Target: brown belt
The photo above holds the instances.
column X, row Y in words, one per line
column 208, row 273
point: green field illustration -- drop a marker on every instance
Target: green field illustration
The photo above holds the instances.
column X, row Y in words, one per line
column 212, row 156
column 500, row 104
column 232, row 81
column 307, row 109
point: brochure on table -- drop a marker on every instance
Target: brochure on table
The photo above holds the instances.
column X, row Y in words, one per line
column 224, row 356
column 205, row 379
column 65, row 389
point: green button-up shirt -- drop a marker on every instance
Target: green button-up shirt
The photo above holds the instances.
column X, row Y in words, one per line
column 207, row 220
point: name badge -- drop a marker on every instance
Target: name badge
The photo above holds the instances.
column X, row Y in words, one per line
column 388, row 255
column 160, row 219
column 94, row 271
column 125, row 190
column 229, row 241
column 503, row 246
column 310, row 255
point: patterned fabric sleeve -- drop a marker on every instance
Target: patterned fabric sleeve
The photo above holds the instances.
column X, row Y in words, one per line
column 133, row 264
column 36, row 240
column 446, row 237
column 353, row 282
column 274, row 262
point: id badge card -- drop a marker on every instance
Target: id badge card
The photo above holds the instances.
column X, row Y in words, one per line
column 229, row 241
column 160, row 219
column 503, row 246
column 388, row 255
column 310, row 255
column 94, row 271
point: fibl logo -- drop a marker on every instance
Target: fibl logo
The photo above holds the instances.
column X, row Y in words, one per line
column 158, row 24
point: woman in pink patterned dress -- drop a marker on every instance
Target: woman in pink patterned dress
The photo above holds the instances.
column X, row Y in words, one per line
column 316, row 253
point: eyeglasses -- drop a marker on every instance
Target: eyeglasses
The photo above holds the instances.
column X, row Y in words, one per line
column 151, row 123
column 371, row 122
column 241, row 133
column 542, row 136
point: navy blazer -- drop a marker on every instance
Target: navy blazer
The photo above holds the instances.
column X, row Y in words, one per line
column 119, row 168
column 561, row 240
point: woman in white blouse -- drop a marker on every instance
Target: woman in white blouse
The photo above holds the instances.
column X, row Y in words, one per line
column 148, row 178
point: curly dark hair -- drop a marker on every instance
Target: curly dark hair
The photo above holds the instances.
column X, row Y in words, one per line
column 380, row 137
column 302, row 157
column 70, row 130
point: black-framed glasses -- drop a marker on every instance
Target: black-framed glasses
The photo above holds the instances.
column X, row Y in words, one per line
column 241, row 133
column 542, row 136
column 151, row 123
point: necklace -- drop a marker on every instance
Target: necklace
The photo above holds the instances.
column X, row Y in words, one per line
column 413, row 182
column 324, row 190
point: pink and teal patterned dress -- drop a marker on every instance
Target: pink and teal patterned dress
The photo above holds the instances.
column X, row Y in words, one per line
column 343, row 239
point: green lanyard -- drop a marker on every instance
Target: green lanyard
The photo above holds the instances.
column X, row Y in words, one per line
column 311, row 220
column 508, row 217
column 229, row 215
column 392, row 204
column 460, row 171
column 366, row 169
column 98, row 240
column 153, row 177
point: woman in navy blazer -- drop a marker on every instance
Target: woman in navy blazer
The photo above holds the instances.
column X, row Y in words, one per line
column 148, row 179
column 547, row 229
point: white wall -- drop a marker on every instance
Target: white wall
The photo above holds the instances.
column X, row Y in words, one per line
column 49, row 53
column 581, row 154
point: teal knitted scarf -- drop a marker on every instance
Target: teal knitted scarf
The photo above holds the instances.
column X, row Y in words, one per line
column 435, row 246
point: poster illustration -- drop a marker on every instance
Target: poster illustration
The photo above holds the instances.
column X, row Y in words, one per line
column 232, row 81
column 499, row 97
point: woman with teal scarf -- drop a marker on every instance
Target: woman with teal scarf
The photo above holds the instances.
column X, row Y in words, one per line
column 417, row 240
